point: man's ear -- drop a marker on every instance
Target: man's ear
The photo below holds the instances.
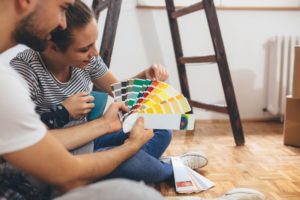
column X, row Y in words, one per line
column 25, row 6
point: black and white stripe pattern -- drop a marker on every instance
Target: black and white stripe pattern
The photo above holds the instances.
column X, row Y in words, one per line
column 45, row 89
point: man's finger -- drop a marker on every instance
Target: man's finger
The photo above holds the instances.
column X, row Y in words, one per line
column 139, row 123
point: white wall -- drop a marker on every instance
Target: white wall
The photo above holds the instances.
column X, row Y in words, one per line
column 143, row 37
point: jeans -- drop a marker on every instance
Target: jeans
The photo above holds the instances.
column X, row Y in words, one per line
column 144, row 165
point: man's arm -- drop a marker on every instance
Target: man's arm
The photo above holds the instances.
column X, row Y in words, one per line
column 79, row 135
column 48, row 160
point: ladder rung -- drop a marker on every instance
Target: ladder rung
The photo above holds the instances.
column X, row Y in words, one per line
column 216, row 108
column 199, row 59
column 187, row 10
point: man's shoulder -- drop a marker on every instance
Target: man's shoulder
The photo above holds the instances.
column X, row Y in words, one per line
column 11, row 79
column 6, row 72
column 20, row 125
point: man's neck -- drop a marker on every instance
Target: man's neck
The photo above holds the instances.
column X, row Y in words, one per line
column 6, row 31
column 6, row 40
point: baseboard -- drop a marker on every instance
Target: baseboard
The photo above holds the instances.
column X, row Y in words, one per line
column 262, row 119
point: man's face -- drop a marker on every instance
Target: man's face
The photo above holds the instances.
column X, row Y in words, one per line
column 34, row 29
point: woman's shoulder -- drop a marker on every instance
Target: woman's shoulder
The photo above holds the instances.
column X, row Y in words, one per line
column 27, row 56
column 97, row 61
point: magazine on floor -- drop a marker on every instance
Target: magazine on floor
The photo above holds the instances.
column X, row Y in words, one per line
column 188, row 180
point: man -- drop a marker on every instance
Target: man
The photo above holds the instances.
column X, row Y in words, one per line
column 24, row 140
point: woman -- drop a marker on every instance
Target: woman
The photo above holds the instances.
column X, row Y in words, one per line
column 60, row 80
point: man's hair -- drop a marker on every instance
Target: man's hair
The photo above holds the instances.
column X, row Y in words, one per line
column 78, row 15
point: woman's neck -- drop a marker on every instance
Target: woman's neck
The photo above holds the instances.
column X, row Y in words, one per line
column 61, row 71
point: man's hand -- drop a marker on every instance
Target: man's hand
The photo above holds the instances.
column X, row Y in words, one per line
column 156, row 72
column 79, row 105
column 138, row 136
column 111, row 116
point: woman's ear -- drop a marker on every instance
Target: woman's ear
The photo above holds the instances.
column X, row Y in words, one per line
column 52, row 46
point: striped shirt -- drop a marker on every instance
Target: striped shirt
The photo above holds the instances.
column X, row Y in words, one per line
column 45, row 89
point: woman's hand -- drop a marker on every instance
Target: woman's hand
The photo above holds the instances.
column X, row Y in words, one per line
column 79, row 105
column 156, row 72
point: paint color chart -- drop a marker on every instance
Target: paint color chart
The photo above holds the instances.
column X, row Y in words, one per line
column 146, row 97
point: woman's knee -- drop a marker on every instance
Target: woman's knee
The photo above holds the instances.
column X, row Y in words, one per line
column 143, row 167
column 164, row 135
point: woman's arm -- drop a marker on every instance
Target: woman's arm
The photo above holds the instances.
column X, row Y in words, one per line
column 155, row 72
column 103, row 83
column 58, row 117
column 74, row 107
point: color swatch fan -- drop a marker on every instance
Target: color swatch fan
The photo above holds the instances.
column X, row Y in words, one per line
column 160, row 104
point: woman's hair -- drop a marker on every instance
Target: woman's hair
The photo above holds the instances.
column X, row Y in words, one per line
column 78, row 15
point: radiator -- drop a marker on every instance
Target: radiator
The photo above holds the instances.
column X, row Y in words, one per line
column 280, row 66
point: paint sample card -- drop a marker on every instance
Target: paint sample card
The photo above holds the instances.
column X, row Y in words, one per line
column 161, row 121
column 156, row 101
column 183, row 181
column 188, row 180
column 129, row 91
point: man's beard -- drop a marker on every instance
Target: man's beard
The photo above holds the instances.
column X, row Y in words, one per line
column 27, row 33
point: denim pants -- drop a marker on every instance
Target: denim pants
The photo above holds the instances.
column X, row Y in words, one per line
column 144, row 165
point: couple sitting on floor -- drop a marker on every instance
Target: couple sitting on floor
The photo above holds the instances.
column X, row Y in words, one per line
column 59, row 80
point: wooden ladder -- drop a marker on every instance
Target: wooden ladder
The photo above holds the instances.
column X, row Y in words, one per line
column 110, row 28
column 220, row 58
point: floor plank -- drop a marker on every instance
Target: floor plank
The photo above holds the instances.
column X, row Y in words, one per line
column 263, row 163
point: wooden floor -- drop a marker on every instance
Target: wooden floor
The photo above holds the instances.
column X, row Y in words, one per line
column 263, row 163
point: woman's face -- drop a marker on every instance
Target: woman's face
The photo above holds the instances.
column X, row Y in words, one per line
column 83, row 46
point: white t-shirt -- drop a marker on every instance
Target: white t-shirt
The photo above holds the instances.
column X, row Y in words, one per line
column 20, row 126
